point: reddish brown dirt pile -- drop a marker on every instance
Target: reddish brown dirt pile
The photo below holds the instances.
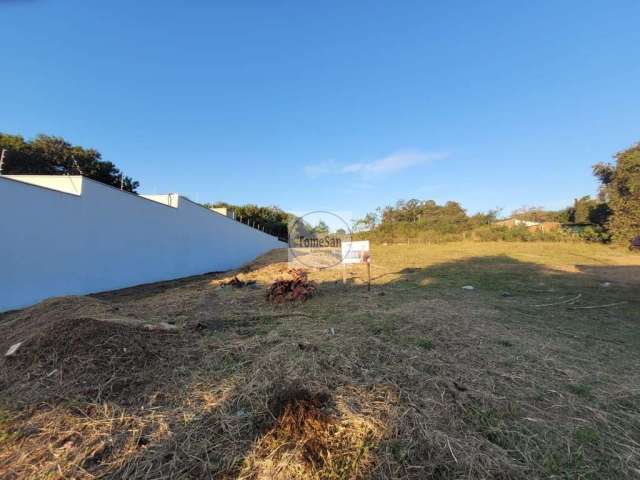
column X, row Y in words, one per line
column 87, row 359
column 302, row 421
column 298, row 287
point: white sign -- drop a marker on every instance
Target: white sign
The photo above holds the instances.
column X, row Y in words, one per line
column 355, row 252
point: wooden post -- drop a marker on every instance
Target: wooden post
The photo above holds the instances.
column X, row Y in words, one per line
column 368, row 274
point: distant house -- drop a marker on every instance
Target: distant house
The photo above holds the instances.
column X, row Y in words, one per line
column 530, row 225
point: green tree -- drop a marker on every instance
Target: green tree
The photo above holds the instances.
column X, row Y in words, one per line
column 321, row 228
column 48, row 155
column 599, row 214
column 480, row 219
column 622, row 186
column 589, row 210
column 582, row 208
column 604, row 172
column 274, row 220
column 537, row 214
column 368, row 222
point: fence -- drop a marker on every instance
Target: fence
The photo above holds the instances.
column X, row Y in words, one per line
column 63, row 235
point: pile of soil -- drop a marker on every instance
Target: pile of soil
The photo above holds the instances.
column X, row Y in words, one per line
column 303, row 420
column 87, row 359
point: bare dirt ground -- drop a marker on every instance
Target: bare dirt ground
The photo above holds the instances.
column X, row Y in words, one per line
column 532, row 374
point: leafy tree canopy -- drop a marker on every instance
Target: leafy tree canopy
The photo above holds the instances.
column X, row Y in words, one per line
column 48, row 155
column 450, row 217
column 274, row 220
column 539, row 214
column 321, row 228
column 621, row 186
column 422, row 215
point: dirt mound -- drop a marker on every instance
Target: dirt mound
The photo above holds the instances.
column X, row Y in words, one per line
column 51, row 309
column 312, row 434
column 302, row 420
column 87, row 359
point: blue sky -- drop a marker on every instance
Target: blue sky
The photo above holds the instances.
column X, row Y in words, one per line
column 341, row 106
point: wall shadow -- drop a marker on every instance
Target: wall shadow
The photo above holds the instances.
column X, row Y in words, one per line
column 140, row 292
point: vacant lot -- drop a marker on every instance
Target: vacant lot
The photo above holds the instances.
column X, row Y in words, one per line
column 535, row 373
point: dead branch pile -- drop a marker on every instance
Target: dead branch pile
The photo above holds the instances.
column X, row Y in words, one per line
column 237, row 283
column 298, row 287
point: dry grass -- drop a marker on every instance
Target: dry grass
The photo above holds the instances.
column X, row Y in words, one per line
column 417, row 379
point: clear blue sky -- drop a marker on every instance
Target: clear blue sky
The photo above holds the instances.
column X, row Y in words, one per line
column 337, row 105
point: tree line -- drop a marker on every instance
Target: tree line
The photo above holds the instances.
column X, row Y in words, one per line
column 49, row 155
column 275, row 220
column 614, row 215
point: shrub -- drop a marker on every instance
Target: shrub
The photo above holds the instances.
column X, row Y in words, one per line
column 595, row 233
column 520, row 234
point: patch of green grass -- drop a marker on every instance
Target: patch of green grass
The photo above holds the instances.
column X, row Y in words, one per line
column 398, row 449
column 381, row 325
column 542, row 448
column 492, row 423
column 572, row 464
column 539, row 394
column 580, row 389
column 425, row 343
column 586, row 435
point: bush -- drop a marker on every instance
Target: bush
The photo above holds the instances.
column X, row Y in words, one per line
column 407, row 233
column 595, row 233
column 494, row 233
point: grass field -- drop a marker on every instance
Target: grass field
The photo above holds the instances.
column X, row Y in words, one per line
column 532, row 374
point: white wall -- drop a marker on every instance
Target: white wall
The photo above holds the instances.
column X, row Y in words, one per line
column 57, row 243
column 63, row 183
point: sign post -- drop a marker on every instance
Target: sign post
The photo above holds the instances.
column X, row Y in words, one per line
column 356, row 252
column 368, row 275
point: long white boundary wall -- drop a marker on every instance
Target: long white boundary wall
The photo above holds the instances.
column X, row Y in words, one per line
column 68, row 235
